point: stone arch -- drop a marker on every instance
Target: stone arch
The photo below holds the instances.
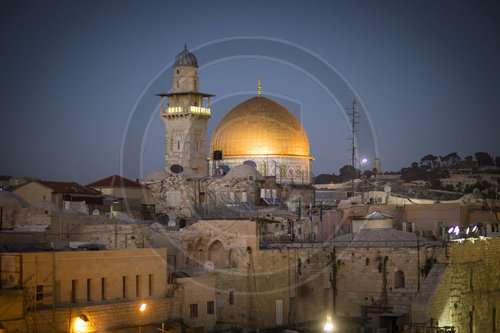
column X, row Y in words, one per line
column 399, row 279
column 217, row 254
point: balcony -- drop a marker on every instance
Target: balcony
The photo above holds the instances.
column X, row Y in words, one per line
column 179, row 110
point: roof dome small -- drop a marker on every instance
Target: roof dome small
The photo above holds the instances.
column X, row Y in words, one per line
column 185, row 58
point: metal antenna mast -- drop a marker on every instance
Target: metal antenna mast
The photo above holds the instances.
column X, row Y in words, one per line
column 353, row 113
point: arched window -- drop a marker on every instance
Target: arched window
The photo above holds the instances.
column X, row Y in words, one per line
column 399, row 279
column 217, row 254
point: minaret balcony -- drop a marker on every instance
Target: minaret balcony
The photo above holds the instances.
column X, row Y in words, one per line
column 179, row 110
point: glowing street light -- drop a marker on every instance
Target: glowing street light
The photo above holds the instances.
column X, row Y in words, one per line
column 80, row 324
column 364, row 160
column 328, row 325
column 142, row 308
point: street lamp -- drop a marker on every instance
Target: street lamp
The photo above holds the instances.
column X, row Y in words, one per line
column 142, row 308
column 328, row 325
column 80, row 324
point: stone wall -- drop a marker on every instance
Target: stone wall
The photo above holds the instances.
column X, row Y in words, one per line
column 106, row 317
column 466, row 294
column 475, row 284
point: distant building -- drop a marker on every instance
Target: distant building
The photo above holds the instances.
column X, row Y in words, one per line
column 377, row 165
column 66, row 195
column 133, row 197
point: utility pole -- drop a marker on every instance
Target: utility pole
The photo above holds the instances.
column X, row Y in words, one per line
column 353, row 113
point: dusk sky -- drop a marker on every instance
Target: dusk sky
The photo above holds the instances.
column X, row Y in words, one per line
column 78, row 78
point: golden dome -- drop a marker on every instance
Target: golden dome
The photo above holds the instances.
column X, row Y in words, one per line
column 260, row 127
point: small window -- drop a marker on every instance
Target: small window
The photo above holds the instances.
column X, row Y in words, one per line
column 193, row 310
column 137, row 285
column 124, row 287
column 178, row 145
column 210, row 307
column 73, row 290
column 88, row 290
column 399, row 279
column 177, row 71
column 103, row 288
column 150, row 285
column 494, row 319
column 231, row 297
column 39, row 293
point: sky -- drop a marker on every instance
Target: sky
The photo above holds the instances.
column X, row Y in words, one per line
column 78, row 78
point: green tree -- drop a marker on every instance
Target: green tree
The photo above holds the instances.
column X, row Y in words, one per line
column 483, row 159
column 429, row 160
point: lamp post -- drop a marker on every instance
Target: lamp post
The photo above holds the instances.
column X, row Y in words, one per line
column 142, row 308
column 80, row 324
column 329, row 327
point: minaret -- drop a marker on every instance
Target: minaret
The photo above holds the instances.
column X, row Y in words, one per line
column 186, row 117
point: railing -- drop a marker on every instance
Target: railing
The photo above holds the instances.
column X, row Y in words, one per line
column 177, row 110
column 427, row 329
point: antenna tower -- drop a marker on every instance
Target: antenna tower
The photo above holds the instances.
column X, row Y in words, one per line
column 353, row 113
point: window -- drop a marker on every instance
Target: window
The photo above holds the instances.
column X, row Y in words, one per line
column 471, row 322
column 124, row 287
column 73, row 290
column 471, row 279
column 494, row 319
column 150, row 285
column 178, row 145
column 399, row 279
column 210, row 307
column 231, row 297
column 282, row 170
column 193, row 310
column 103, row 289
column 137, row 285
column 88, row 290
column 39, row 293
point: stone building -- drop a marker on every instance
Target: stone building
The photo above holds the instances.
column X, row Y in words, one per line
column 259, row 133
column 62, row 194
column 297, row 285
column 49, row 291
column 124, row 195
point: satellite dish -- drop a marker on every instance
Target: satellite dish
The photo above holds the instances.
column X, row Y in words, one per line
column 208, row 266
column 224, row 168
column 387, row 189
column 221, row 302
column 176, row 168
column 250, row 163
column 476, row 191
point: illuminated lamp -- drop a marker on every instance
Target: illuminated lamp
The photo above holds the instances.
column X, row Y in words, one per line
column 474, row 229
column 142, row 307
column 80, row 324
column 457, row 230
column 328, row 324
column 450, row 230
column 468, row 229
